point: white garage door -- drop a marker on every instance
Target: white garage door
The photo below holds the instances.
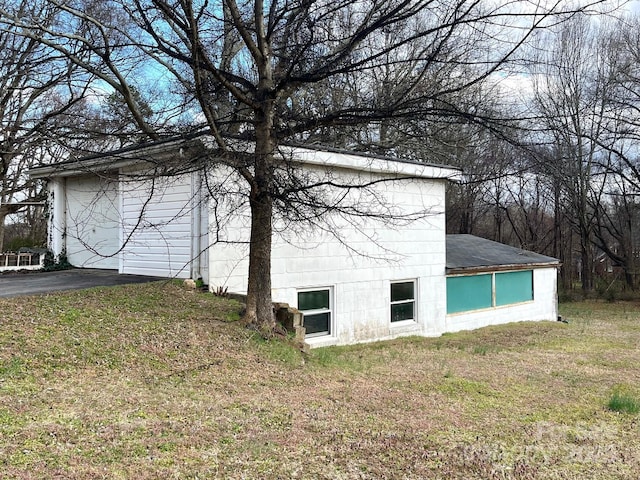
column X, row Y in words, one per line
column 92, row 222
column 157, row 227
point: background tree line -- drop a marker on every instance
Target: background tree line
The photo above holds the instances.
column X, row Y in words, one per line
column 537, row 103
column 565, row 181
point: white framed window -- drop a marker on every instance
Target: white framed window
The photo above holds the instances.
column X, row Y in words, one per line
column 316, row 306
column 403, row 301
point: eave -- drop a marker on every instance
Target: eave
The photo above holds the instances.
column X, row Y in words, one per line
column 500, row 268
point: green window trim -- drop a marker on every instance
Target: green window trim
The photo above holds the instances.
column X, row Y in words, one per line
column 467, row 293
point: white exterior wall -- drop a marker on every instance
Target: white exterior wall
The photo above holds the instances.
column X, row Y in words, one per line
column 157, row 227
column 543, row 307
column 57, row 221
column 360, row 284
column 91, row 221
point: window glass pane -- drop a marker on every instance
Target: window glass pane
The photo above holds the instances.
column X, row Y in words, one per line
column 468, row 293
column 318, row 323
column 401, row 291
column 316, row 300
column 514, row 287
column 402, row 311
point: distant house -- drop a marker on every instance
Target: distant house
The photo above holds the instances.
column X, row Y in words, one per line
column 373, row 281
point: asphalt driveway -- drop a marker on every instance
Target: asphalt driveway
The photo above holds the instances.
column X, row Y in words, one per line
column 34, row 283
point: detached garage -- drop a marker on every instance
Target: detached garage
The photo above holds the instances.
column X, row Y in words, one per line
column 490, row 283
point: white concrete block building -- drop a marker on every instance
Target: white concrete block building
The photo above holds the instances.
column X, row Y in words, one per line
column 356, row 278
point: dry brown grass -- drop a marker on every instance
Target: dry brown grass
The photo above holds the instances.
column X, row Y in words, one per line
column 151, row 381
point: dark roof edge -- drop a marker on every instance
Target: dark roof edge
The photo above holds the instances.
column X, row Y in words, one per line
column 111, row 160
column 499, row 268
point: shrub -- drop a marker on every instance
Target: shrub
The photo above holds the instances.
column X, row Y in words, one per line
column 22, row 242
column 624, row 403
column 567, row 296
column 52, row 263
column 607, row 289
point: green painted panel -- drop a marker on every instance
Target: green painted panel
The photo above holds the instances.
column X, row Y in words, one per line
column 468, row 293
column 514, row 287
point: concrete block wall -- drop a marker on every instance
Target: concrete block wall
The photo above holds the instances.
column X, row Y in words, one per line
column 360, row 266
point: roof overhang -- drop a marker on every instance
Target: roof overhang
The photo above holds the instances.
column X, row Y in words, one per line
column 499, row 268
column 370, row 164
column 468, row 254
column 182, row 150
column 152, row 154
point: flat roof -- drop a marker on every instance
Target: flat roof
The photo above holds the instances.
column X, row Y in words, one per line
column 203, row 141
column 163, row 151
column 467, row 253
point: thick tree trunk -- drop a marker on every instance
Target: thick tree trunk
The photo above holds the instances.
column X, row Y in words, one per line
column 259, row 310
column 259, row 304
column 629, row 277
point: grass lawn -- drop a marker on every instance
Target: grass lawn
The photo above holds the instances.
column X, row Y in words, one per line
column 153, row 382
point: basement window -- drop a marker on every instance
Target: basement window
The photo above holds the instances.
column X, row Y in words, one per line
column 403, row 301
column 316, row 307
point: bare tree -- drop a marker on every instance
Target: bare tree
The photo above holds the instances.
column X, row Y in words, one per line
column 272, row 72
column 616, row 232
column 37, row 87
column 573, row 93
column 617, row 210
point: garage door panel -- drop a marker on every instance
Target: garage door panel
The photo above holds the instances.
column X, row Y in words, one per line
column 158, row 228
column 92, row 222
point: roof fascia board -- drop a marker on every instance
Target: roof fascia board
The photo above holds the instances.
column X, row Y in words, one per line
column 82, row 168
column 328, row 159
column 500, row 268
column 369, row 164
column 110, row 161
